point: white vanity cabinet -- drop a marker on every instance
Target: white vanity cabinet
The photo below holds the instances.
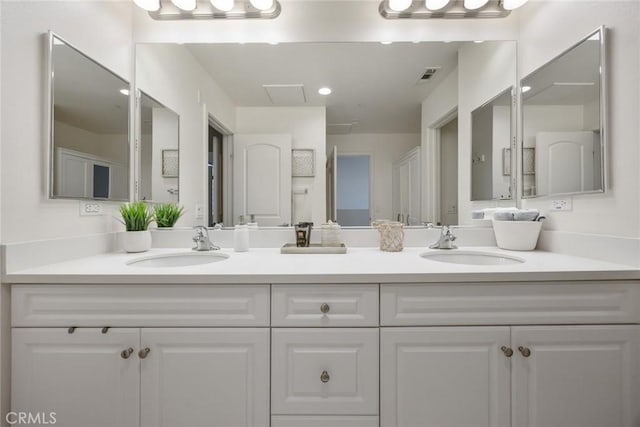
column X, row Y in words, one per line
column 550, row 375
column 143, row 375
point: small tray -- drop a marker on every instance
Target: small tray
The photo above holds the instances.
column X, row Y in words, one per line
column 313, row 248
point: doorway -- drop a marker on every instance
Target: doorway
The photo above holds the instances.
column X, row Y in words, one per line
column 215, row 176
column 449, row 173
column 353, row 179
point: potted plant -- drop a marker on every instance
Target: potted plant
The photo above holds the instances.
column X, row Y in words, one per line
column 136, row 217
column 166, row 215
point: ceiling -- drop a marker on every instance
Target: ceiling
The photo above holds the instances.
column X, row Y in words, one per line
column 376, row 87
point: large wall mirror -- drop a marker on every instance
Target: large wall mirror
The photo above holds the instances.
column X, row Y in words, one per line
column 89, row 127
column 563, row 122
column 281, row 151
column 491, row 156
column 158, row 151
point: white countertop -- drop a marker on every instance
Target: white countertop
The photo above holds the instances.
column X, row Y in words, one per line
column 358, row 265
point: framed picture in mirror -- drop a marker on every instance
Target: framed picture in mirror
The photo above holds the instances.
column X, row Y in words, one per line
column 170, row 163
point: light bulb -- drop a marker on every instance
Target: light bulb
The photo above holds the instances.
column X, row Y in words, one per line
column 150, row 5
column 512, row 4
column 399, row 5
column 262, row 4
column 124, row 92
column 526, row 89
column 435, row 4
column 474, row 4
column 184, row 4
column 324, row 91
column 223, row 5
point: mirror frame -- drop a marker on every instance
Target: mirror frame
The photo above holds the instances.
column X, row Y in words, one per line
column 49, row 99
column 512, row 136
column 604, row 130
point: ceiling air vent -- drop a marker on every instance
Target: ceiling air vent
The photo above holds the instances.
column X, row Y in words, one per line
column 428, row 73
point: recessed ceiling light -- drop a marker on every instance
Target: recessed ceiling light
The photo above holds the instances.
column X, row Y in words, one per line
column 435, row 4
column 512, row 4
column 399, row 5
column 526, row 89
column 478, row 41
column 324, row 91
column 223, row 5
column 386, row 42
column 150, row 5
column 184, row 4
column 262, row 4
column 124, row 91
column 474, row 4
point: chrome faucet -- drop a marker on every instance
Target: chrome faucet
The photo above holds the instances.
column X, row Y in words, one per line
column 446, row 239
column 202, row 241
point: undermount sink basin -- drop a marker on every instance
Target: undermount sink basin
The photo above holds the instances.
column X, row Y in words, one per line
column 472, row 258
column 182, row 259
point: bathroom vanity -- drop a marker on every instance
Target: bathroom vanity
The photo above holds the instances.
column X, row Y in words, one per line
column 362, row 339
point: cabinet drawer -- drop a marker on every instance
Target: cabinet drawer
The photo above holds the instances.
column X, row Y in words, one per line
column 510, row 303
column 324, row 305
column 323, row 421
column 140, row 305
column 324, row 371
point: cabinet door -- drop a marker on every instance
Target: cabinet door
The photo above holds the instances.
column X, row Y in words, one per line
column 205, row 377
column 81, row 376
column 444, row 377
column 576, row 376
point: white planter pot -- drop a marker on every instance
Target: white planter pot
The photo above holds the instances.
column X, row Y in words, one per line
column 136, row 241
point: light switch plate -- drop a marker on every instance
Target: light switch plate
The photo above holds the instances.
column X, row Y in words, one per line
column 565, row 204
column 199, row 211
column 88, row 208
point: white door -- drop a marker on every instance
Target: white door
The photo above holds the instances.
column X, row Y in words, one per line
column 324, row 371
column 576, row 376
column 82, row 376
column 564, row 162
column 444, row 377
column 332, row 185
column 72, row 175
column 213, row 377
column 262, row 178
column 407, row 189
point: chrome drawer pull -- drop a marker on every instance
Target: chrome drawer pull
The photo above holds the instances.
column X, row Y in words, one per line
column 142, row 354
column 324, row 308
column 324, row 377
column 126, row 353
column 507, row 351
column 525, row 351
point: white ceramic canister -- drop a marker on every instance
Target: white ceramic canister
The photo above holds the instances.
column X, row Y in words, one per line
column 136, row 241
column 241, row 238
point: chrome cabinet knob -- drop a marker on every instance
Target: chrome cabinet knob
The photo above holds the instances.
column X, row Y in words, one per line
column 324, row 308
column 126, row 353
column 525, row 351
column 324, row 377
column 142, row 354
column 507, row 351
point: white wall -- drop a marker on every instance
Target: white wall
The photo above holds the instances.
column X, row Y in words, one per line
column 386, row 150
column 484, row 71
column 24, row 143
column 448, row 193
column 501, row 140
column 617, row 212
column 165, row 137
column 307, row 127
column 171, row 75
column 111, row 147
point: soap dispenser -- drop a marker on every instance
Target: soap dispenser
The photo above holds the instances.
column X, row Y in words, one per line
column 241, row 238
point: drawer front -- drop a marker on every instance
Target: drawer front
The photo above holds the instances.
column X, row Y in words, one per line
column 140, row 305
column 324, row 371
column 510, row 304
column 324, row 421
column 324, row 305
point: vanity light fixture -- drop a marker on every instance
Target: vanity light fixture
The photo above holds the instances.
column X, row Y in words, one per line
column 449, row 9
column 324, row 91
column 148, row 5
column 399, row 5
column 223, row 5
column 435, row 4
column 185, row 4
column 163, row 10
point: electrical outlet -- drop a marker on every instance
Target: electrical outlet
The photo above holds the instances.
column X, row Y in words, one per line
column 199, row 211
column 90, row 208
column 562, row 204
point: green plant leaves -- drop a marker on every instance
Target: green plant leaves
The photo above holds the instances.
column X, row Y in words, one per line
column 136, row 216
column 166, row 215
